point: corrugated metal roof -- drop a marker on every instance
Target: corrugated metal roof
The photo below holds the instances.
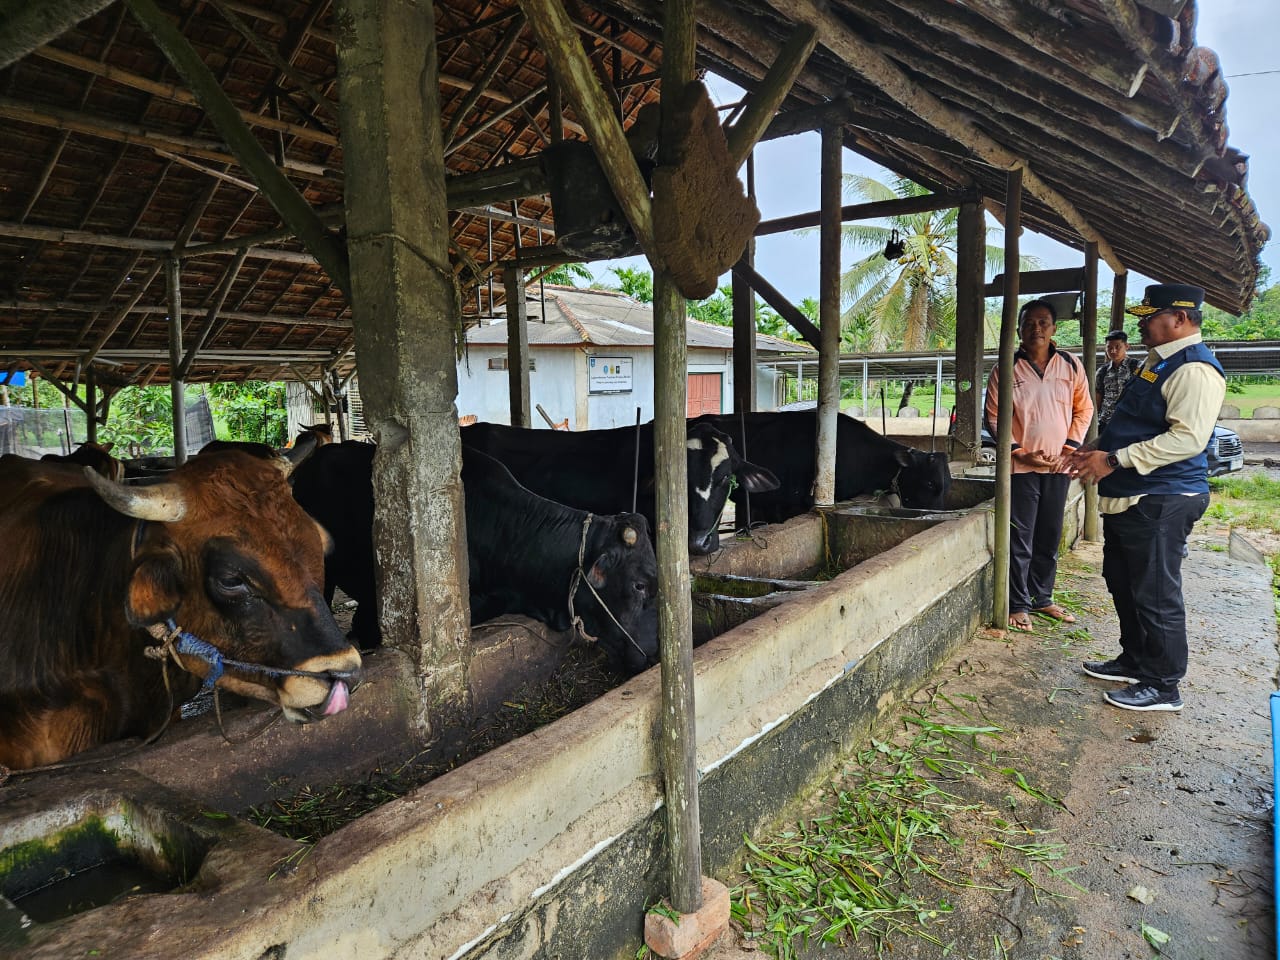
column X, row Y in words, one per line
column 606, row 318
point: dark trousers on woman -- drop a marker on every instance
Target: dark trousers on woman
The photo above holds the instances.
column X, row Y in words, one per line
column 1142, row 554
column 1036, row 504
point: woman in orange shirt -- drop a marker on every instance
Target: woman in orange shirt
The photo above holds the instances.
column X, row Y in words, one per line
column 1052, row 410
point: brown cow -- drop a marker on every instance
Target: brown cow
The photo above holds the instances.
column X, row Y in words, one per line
column 88, row 565
column 95, row 455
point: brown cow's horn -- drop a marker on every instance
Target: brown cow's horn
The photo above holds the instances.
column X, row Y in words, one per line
column 161, row 501
column 629, row 536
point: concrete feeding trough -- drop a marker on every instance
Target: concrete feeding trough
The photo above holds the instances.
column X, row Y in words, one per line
column 722, row 601
column 497, row 858
column 112, row 842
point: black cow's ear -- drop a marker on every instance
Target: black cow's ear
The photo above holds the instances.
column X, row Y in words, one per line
column 598, row 575
column 154, row 589
column 755, row 478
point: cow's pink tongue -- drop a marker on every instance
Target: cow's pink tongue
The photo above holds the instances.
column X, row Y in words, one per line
column 337, row 701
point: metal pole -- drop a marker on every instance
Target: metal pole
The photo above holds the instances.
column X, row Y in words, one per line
column 1089, row 347
column 177, row 391
column 1004, row 425
column 91, row 405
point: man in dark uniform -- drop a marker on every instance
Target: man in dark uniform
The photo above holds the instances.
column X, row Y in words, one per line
column 1151, row 472
column 1113, row 375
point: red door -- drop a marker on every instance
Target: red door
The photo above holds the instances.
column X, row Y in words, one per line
column 704, row 394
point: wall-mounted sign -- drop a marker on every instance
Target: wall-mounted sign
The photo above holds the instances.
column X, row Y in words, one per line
column 609, row 375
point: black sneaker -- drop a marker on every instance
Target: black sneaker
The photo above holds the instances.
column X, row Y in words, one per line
column 1108, row 670
column 1143, row 696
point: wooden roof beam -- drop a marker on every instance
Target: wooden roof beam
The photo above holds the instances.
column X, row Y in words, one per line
column 763, row 102
column 490, row 71
column 867, row 211
column 576, row 76
column 865, row 58
column 60, row 118
column 276, row 187
column 169, row 91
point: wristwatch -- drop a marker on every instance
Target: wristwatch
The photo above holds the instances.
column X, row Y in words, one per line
column 1113, row 461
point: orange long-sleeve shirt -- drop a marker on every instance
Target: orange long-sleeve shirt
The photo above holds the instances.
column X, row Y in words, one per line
column 1052, row 408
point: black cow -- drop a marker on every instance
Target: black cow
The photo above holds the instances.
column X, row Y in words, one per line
column 523, row 552
column 866, row 462
column 596, row 469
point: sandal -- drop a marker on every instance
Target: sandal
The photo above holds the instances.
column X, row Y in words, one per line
column 1055, row 612
column 1021, row 622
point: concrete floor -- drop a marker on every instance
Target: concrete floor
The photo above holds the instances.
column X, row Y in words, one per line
column 1179, row 803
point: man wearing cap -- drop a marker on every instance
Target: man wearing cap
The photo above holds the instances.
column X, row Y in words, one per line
column 1113, row 375
column 1151, row 472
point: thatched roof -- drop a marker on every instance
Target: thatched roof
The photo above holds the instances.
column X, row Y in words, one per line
column 107, row 164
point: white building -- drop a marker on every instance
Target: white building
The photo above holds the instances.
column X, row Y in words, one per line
column 591, row 353
column 592, row 362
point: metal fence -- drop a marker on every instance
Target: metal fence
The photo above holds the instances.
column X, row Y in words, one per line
column 33, row 433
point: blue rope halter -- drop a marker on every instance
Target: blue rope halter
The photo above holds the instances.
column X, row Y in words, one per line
column 175, row 641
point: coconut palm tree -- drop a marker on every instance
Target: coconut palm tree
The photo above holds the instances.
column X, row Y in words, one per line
column 907, row 302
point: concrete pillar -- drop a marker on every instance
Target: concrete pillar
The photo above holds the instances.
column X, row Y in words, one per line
column 971, row 267
column 824, row 484
column 405, row 319
column 517, row 347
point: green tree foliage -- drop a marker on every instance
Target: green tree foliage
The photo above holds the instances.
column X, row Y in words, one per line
column 567, row 275
column 635, row 283
column 718, row 309
column 1260, row 322
column 254, row 410
column 139, row 421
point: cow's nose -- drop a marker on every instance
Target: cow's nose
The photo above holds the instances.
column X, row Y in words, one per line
column 705, row 544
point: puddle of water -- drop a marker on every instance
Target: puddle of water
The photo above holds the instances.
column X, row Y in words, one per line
column 95, row 886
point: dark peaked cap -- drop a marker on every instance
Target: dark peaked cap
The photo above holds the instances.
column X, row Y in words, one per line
column 1168, row 296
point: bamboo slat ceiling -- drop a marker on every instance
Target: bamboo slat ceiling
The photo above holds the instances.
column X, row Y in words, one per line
column 107, row 164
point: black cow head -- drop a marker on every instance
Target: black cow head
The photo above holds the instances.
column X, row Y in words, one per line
column 924, row 479
column 712, row 461
column 620, row 566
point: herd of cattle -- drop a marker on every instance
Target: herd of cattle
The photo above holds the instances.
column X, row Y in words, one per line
column 244, row 549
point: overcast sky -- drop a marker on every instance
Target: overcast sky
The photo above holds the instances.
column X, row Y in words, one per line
column 1240, row 31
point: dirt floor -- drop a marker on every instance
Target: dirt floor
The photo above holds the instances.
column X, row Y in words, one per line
column 1178, row 804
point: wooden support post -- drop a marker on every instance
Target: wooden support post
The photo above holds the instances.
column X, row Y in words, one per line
column 338, row 394
column 517, row 347
column 744, row 323
column 675, row 607
column 177, row 390
column 1004, row 425
column 1119, row 290
column 225, row 116
column 1089, row 347
column 91, row 405
column 824, row 486
column 563, row 49
column 786, row 309
column 405, row 322
column 971, row 266
column 24, row 25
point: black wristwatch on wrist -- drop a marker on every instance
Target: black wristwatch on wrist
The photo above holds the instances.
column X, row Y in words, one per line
column 1113, row 461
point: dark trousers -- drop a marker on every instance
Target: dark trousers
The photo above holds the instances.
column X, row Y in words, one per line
column 1036, row 504
column 1142, row 563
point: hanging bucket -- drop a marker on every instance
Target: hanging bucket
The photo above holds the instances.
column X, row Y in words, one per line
column 588, row 218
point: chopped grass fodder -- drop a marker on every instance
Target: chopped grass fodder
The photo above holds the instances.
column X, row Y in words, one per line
column 880, row 849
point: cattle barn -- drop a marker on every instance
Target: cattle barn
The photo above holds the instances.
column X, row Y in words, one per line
column 199, row 190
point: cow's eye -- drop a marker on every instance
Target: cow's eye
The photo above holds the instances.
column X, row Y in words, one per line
column 230, row 586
